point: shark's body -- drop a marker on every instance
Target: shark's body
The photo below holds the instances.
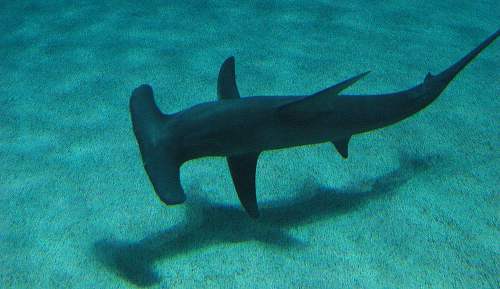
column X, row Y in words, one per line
column 241, row 128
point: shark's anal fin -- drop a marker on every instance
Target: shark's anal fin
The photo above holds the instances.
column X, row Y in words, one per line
column 226, row 83
column 342, row 146
column 243, row 169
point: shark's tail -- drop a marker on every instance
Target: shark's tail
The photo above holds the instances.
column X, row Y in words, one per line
column 157, row 149
column 442, row 79
column 453, row 70
column 433, row 85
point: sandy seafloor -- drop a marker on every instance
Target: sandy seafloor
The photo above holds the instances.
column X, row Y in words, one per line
column 416, row 205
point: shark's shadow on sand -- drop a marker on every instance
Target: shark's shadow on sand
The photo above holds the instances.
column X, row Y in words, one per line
column 207, row 224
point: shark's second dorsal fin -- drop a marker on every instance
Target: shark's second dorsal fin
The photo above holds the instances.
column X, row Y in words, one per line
column 243, row 169
column 428, row 77
column 319, row 102
column 226, row 83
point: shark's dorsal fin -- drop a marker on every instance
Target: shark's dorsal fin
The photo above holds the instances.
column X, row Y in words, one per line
column 309, row 106
column 342, row 146
column 337, row 88
column 243, row 169
column 226, row 83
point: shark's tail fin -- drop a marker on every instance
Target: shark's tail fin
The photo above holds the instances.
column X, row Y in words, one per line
column 425, row 93
column 453, row 70
column 157, row 150
column 440, row 81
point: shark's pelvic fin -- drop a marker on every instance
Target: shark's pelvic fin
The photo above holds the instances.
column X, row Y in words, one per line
column 342, row 146
column 309, row 106
column 243, row 169
column 226, row 83
column 157, row 155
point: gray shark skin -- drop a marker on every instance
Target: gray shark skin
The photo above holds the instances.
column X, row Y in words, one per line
column 241, row 128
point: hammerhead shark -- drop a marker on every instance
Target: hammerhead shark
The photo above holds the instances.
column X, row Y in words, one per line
column 241, row 128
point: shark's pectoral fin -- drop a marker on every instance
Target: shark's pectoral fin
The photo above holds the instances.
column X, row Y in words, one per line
column 226, row 83
column 310, row 106
column 342, row 146
column 242, row 169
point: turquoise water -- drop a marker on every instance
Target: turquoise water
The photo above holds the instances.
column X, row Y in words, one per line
column 416, row 205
